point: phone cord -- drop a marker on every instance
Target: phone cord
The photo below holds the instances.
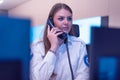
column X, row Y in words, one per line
column 69, row 60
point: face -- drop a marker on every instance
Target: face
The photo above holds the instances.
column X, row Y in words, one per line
column 63, row 20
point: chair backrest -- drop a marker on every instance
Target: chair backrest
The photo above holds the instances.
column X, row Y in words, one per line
column 75, row 30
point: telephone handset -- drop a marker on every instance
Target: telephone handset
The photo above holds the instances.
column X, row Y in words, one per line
column 51, row 24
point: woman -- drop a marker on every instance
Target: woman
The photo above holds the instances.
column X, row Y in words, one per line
column 50, row 59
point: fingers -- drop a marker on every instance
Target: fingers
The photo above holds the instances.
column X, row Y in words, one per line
column 58, row 33
column 54, row 30
column 48, row 29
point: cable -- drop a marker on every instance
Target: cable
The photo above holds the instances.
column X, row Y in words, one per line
column 66, row 42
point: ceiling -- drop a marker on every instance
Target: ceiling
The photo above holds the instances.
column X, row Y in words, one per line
column 8, row 4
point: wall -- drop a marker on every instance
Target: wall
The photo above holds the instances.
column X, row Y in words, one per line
column 3, row 12
column 37, row 10
column 114, row 13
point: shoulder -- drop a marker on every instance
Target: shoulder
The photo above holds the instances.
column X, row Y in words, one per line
column 37, row 46
column 37, row 42
column 76, row 40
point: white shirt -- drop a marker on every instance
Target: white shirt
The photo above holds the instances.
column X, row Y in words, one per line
column 42, row 67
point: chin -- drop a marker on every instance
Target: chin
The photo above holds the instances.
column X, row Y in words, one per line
column 66, row 31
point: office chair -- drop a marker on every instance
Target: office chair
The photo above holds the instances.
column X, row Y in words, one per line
column 75, row 30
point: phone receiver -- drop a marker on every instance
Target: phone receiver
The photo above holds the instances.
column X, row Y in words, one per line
column 61, row 36
column 50, row 23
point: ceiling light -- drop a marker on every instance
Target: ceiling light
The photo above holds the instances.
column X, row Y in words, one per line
column 1, row 1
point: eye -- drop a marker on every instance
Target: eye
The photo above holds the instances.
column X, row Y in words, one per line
column 60, row 18
column 69, row 18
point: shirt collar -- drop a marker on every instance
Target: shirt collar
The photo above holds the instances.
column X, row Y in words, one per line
column 69, row 39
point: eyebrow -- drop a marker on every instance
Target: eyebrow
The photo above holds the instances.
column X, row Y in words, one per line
column 64, row 16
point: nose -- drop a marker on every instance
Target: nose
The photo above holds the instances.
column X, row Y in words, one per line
column 65, row 21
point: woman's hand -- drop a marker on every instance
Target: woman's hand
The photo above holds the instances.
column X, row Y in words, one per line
column 52, row 37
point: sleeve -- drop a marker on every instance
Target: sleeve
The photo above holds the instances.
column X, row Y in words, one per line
column 41, row 68
column 82, row 69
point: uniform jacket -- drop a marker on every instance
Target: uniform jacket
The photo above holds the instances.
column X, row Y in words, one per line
column 43, row 66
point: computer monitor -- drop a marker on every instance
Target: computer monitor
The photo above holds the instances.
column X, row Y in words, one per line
column 85, row 25
column 105, row 54
column 14, row 48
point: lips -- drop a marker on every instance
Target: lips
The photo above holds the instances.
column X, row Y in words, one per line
column 65, row 29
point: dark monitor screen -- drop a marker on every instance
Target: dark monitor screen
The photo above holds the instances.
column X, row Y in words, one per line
column 105, row 54
column 10, row 70
column 14, row 48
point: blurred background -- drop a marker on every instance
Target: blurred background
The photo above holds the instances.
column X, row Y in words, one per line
column 38, row 10
column 86, row 13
